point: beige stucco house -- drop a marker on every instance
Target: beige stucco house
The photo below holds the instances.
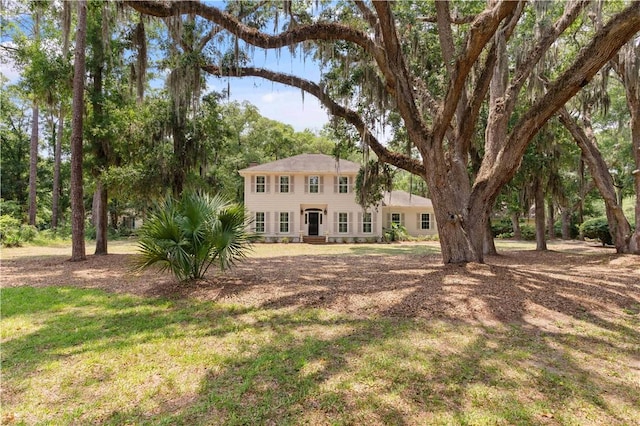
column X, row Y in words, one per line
column 310, row 197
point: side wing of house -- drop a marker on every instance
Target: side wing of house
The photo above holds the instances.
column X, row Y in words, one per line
column 413, row 212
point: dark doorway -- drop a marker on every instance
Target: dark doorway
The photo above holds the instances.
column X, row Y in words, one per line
column 314, row 223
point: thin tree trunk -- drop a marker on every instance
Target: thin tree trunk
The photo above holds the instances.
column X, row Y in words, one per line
column 78, row 252
column 551, row 220
column 541, row 244
column 566, row 223
column 100, row 143
column 57, row 155
column 515, row 225
column 57, row 159
column 33, row 164
column 100, row 198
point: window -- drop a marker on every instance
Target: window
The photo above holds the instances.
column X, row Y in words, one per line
column 343, row 184
column 261, row 183
column 314, row 184
column 284, row 223
column 343, row 224
column 259, row 222
column 366, row 223
column 284, row 183
column 395, row 218
column 425, row 221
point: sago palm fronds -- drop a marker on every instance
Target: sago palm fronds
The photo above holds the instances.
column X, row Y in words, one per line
column 187, row 236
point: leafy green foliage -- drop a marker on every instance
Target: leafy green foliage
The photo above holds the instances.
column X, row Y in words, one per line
column 373, row 179
column 13, row 233
column 187, row 236
column 396, row 232
column 597, row 228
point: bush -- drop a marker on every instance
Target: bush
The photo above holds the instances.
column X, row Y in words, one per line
column 187, row 236
column 13, row 233
column 11, row 208
column 505, row 236
column 395, row 232
column 528, row 232
column 501, row 226
column 597, row 229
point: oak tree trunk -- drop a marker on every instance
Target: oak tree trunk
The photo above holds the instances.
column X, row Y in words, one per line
column 634, row 242
column 77, row 206
column 455, row 231
column 618, row 224
column 488, row 245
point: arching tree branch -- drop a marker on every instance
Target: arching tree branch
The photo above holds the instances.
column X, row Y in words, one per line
column 481, row 31
column 317, row 31
column 394, row 158
column 606, row 43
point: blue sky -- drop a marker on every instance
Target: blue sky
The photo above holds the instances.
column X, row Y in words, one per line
column 274, row 101
column 277, row 101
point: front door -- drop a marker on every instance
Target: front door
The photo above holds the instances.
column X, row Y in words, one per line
column 314, row 223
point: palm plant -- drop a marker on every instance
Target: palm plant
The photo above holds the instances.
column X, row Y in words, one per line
column 187, row 236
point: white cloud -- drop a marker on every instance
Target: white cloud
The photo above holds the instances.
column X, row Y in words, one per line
column 277, row 102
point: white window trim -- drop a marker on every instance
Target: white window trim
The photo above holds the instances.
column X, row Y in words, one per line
column 288, row 185
column 317, row 185
column 287, row 222
column 264, row 184
column 346, row 222
column 263, row 222
column 369, row 222
column 343, row 185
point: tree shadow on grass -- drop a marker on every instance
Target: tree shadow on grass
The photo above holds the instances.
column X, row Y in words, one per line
column 403, row 340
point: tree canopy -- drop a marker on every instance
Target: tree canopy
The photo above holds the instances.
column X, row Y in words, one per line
column 435, row 65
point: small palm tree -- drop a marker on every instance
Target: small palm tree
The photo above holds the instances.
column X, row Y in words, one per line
column 187, row 236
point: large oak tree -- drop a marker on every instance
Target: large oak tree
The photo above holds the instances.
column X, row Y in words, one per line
column 436, row 68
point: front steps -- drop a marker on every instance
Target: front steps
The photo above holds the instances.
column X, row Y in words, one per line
column 314, row 240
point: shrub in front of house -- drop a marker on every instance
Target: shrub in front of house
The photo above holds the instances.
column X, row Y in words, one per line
column 188, row 235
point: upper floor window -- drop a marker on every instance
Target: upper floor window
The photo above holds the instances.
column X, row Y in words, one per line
column 261, row 184
column 259, row 222
column 425, row 221
column 343, row 184
column 366, row 223
column 314, row 184
column 284, row 184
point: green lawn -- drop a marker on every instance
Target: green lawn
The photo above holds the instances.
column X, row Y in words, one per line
column 83, row 356
column 129, row 246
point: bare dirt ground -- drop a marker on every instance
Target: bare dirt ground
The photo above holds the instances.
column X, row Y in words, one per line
column 578, row 280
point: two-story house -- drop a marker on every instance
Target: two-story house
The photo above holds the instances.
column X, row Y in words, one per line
column 310, row 197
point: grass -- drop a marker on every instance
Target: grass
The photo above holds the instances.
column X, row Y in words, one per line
column 81, row 356
column 129, row 246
